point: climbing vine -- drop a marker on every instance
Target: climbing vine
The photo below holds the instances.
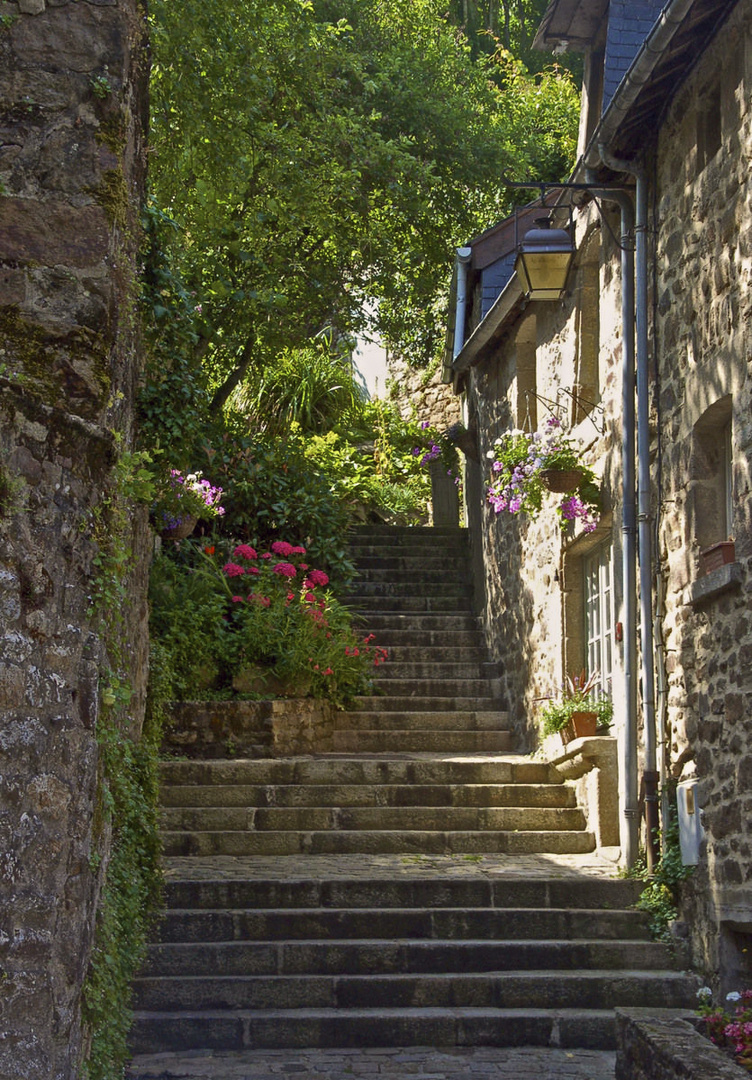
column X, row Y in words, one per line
column 127, row 795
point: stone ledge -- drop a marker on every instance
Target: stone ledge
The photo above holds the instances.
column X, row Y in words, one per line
column 255, row 729
column 592, row 764
column 711, row 585
column 656, row 1044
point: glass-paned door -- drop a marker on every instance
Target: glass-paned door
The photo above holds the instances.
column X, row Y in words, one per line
column 599, row 618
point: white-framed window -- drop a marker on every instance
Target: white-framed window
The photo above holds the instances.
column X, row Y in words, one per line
column 598, row 594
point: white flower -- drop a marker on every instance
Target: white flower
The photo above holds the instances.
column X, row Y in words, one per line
column 704, row 993
column 734, row 996
column 490, row 454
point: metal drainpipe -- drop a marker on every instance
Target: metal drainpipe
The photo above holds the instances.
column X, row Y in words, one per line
column 644, row 532
column 463, row 258
column 628, row 524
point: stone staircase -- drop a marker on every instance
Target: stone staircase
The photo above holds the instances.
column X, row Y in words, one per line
column 421, row 885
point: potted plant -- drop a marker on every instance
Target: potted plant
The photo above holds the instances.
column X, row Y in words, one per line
column 579, row 712
column 527, row 465
column 180, row 502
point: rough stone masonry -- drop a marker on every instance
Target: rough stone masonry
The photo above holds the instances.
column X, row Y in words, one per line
column 72, row 98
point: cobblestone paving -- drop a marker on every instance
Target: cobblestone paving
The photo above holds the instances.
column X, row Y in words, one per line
column 489, row 1063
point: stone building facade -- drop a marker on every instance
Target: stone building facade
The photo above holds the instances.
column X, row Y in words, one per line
column 72, row 100
column 666, row 122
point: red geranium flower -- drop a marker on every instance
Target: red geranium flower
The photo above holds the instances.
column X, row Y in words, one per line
column 245, row 551
column 232, row 569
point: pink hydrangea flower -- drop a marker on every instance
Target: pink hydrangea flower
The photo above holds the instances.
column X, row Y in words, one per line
column 317, row 577
column 281, row 547
column 232, row 569
column 245, row 551
column 285, row 569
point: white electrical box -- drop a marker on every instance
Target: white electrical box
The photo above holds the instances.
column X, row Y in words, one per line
column 691, row 831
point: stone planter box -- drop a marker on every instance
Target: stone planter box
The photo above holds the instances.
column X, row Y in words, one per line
column 653, row 1044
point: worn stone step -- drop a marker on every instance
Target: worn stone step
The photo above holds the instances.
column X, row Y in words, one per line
column 475, row 891
column 436, row 623
column 407, row 536
column 382, row 740
column 334, row 957
column 318, row 818
column 308, row 795
column 430, row 669
column 417, row 578
column 376, row 842
column 295, row 1028
column 543, row 989
column 392, row 924
column 390, row 561
column 419, row 721
column 399, row 604
column 394, row 702
column 439, row 654
column 357, row 770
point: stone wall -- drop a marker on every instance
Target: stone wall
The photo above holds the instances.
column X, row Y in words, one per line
column 654, row 1044
column 531, row 604
column 700, row 259
column 425, row 398
column 72, row 93
column 703, row 313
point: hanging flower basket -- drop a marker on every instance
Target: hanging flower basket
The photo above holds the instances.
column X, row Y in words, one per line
column 562, row 480
column 184, row 527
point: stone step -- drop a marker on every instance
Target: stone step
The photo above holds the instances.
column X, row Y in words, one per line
column 429, row 669
column 398, row 562
column 412, row 579
column 379, row 740
column 400, row 604
column 545, row 989
column 357, row 770
column 391, row 702
column 448, row 629
column 385, row 957
column 580, row 893
column 296, row 1028
column 434, row 687
column 439, row 654
column 407, row 536
column 418, row 641
column 342, row 795
column 369, row 818
column 418, row 721
column 393, row 924
column 377, row 842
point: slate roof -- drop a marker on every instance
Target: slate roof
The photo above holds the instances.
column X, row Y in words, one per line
column 629, row 23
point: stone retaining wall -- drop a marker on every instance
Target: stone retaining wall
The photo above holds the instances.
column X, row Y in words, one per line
column 652, row 1044
column 71, row 174
column 248, row 729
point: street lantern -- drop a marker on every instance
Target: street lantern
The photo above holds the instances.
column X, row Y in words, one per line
column 543, row 260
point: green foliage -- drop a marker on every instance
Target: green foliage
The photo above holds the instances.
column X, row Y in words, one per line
column 272, row 491
column 318, row 155
column 128, row 783
column 173, row 402
column 101, row 87
column 660, row 895
column 313, row 386
column 240, row 622
column 132, row 886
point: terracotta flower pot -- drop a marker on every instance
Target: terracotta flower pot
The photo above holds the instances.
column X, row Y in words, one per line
column 561, row 480
column 582, row 725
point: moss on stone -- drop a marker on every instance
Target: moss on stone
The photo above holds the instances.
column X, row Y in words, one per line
column 112, row 196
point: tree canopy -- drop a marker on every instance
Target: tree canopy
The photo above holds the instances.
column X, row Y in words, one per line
column 321, row 159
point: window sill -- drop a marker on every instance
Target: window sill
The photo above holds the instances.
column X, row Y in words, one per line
column 722, row 580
